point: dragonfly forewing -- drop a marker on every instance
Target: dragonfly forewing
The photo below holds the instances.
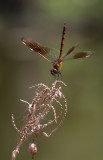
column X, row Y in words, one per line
column 81, row 54
column 47, row 53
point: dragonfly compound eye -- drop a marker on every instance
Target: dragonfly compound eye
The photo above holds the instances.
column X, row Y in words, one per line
column 53, row 71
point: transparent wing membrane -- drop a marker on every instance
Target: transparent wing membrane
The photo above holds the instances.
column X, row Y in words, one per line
column 83, row 54
column 77, row 55
column 71, row 50
column 52, row 54
column 72, row 55
column 47, row 53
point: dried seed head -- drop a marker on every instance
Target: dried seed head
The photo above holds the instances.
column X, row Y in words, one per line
column 47, row 101
column 32, row 149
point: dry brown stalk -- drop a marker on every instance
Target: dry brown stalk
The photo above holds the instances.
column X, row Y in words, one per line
column 45, row 100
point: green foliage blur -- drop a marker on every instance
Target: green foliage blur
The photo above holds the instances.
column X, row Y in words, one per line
column 81, row 135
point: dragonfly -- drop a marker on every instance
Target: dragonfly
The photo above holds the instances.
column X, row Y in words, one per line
column 56, row 56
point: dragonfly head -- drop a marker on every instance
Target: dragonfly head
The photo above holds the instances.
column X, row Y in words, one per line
column 53, row 71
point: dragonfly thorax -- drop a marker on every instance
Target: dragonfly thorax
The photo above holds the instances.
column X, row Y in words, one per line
column 57, row 65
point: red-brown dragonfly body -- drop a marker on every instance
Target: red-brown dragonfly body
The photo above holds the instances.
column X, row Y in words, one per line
column 55, row 56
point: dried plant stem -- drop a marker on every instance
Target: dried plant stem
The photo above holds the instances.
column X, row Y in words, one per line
column 42, row 104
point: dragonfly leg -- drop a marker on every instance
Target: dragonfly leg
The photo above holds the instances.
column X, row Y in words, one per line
column 56, row 76
column 59, row 73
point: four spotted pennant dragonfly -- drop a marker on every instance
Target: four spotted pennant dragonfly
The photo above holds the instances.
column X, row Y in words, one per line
column 55, row 56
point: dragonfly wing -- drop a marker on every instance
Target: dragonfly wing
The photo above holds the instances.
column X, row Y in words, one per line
column 70, row 50
column 83, row 54
column 77, row 55
column 53, row 54
column 47, row 53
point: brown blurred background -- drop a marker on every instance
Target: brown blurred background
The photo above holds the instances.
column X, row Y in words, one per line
column 81, row 135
